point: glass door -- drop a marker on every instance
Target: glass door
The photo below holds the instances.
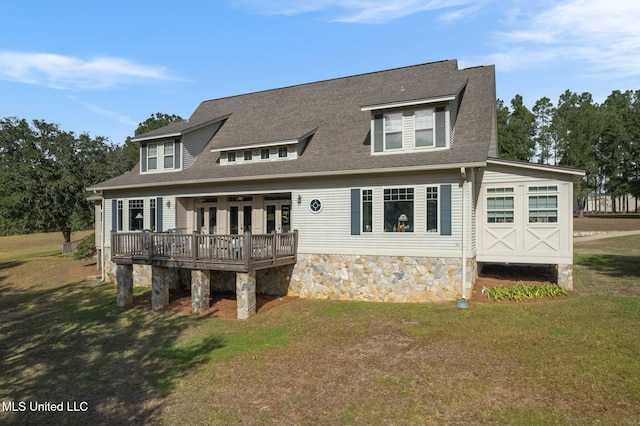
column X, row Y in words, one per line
column 206, row 219
column 278, row 217
column 239, row 218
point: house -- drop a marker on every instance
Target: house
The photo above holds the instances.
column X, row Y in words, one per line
column 383, row 186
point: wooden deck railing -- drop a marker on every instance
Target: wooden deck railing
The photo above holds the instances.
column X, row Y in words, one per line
column 238, row 252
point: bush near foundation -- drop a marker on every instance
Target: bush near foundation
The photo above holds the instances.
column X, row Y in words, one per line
column 523, row 291
column 86, row 248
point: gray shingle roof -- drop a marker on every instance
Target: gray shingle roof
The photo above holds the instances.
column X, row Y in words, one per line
column 333, row 107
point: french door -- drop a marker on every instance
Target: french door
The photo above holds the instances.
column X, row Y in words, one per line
column 206, row 219
column 239, row 218
column 277, row 217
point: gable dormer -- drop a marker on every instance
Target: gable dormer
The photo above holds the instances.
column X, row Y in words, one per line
column 160, row 156
column 413, row 126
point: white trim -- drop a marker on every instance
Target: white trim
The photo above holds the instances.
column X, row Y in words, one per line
column 150, row 138
column 532, row 166
column 401, row 104
column 256, row 145
column 434, row 167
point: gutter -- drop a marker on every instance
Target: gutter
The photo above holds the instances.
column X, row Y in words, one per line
column 293, row 176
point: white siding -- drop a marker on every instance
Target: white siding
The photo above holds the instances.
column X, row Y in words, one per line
column 521, row 241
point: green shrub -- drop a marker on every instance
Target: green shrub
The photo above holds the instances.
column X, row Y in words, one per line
column 86, row 248
column 521, row 292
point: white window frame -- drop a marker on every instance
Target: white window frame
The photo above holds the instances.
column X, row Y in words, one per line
column 283, row 152
column 426, row 208
column 408, row 130
column 501, row 193
column 546, row 191
column 135, row 204
column 166, row 155
column 370, row 192
column 149, row 156
column 387, row 131
column 413, row 213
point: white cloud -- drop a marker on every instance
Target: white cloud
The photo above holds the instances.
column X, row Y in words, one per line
column 603, row 34
column 355, row 11
column 123, row 119
column 59, row 71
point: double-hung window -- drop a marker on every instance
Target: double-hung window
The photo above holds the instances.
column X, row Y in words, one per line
column 393, row 131
column 543, row 204
column 500, row 205
column 423, row 120
column 152, row 156
column 398, row 210
column 168, row 155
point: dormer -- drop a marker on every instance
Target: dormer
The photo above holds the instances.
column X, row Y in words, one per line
column 413, row 126
column 160, row 156
column 283, row 150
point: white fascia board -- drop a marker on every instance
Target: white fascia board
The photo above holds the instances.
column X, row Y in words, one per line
column 533, row 166
column 407, row 103
column 454, row 166
column 149, row 138
column 255, row 145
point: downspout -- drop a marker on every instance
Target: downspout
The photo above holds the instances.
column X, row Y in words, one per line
column 463, row 280
column 102, row 239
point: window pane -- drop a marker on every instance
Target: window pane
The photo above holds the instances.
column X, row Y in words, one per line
column 393, row 130
column 424, row 137
column 168, row 148
column 264, row 153
column 393, row 141
column 168, row 161
column 398, row 210
column 153, row 150
column 136, row 215
column 500, row 209
column 424, row 119
column 283, row 152
column 432, row 209
column 367, row 210
column 248, row 155
column 152, row 163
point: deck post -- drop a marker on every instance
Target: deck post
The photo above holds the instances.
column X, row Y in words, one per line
column 159, row 288
column 194, row 247
column 274, row 249
column 246, row 294
column 295, row 245
column 246, row 253
column 200, row 290
column 124, row 280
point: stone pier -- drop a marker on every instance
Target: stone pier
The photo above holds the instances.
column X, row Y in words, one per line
column 124, row 280
column 565, row 276
column 160, row 283
column 200, row 290
column 246, row 294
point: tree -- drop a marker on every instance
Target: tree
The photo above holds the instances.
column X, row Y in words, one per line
column 516, row 134
column 43, row 174
column 546, row 149
column 155, row 121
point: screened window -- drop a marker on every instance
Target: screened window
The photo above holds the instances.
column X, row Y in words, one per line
column 432, row 209
column 264, row 153
column 136, row 215
column 367, row 210
column 393, row 130
column 398, row 210
column 168, row 155
column 152, row 156
column 424, row 127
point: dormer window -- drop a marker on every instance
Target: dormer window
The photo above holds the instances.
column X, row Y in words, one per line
column 231, row 157
column 424, row 127
column 264, row 153
column 160, row 156
column 283, row 152
column 152, row 157
column 393, row 131
column 248, row 155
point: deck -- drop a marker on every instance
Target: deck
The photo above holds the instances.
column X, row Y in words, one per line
column 239, row 253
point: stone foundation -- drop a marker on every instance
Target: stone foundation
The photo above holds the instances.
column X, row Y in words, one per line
column 246, row 294
column 200, row 290
column 565, row 276
column 380, row 278
column 124, row 277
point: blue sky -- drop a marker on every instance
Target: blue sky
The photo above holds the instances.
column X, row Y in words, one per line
column 103, row 67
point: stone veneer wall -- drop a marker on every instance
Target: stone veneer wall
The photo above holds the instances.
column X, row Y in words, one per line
column 380, row 278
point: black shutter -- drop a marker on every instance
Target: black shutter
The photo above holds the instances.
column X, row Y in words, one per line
column 445, row 209
column 114, row 215
column 355, row 211
column 176, row 152
column 378, row 133
column 143, row 158
column 159, row 208
column 441, row 134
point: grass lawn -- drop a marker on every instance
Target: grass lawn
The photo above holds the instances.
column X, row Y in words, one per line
column 573, row 360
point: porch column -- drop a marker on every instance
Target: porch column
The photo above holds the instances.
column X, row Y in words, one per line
column 159, row 288
column 565, row 276
column 124, row 282
column 200, row 290
column 246, row 294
